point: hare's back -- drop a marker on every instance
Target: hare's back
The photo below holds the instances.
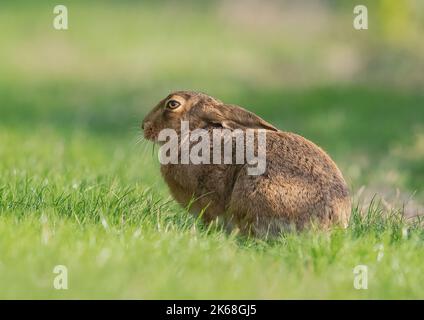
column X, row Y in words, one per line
column 293, row 155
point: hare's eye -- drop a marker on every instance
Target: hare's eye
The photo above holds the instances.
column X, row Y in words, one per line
column 173, row 104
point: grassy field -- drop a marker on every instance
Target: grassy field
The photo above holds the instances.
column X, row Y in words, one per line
column 76, row 189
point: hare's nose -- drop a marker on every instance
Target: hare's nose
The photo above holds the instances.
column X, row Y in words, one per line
column 145, row 124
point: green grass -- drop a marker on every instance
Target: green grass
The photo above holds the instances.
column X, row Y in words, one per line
column 97, row 205
column 77, row 190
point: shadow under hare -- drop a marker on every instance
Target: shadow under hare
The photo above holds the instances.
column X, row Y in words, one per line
column 299, row 186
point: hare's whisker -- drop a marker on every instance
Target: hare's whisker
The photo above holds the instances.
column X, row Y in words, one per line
column 145, row 147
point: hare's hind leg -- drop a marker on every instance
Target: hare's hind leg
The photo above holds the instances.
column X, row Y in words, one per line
column 257, row 208
column 261, row 226
column 268, row 206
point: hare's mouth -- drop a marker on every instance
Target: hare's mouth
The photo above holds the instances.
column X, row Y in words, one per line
column 153, row 137
column 150, row 135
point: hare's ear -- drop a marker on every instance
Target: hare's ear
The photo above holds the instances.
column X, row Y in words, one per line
column 233, row 117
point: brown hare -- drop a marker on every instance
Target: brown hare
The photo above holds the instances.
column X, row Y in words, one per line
column 300, row 186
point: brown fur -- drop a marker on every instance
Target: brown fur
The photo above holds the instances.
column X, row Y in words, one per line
column 301, row 185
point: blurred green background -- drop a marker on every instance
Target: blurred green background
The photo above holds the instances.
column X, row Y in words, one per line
column 71, row 101
column 300, row 65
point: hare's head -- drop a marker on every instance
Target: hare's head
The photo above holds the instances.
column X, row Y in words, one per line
column 201, row 111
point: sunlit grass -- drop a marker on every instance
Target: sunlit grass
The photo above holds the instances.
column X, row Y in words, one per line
column 99, row 207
